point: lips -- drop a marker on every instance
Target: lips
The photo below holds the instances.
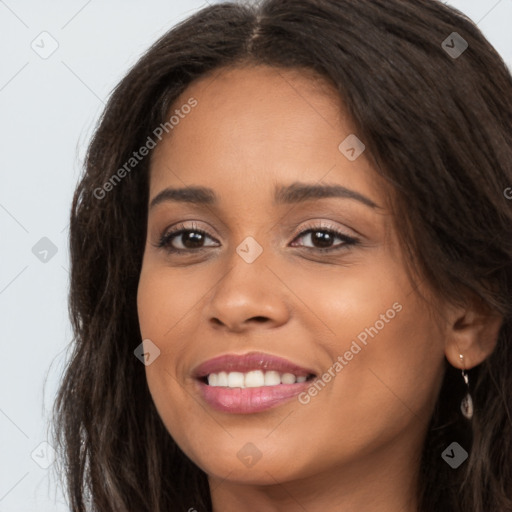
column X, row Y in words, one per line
column 237, row 396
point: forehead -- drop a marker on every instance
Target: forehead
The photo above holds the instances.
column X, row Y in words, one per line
column 254, row 127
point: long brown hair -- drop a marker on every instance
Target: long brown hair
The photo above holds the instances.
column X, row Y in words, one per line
column 438, row 127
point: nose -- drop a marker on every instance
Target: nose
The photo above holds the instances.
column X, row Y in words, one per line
column 247, row 297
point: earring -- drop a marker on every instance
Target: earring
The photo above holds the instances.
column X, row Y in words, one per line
column 466, row 405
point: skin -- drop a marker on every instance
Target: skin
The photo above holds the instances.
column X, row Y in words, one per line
column 356, row 444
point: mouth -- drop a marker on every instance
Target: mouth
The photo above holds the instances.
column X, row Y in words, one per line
column 249, row 383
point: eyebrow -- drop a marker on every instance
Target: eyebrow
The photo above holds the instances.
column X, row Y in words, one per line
column 290, row 194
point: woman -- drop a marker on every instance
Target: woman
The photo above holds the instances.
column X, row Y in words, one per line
column 292, row 268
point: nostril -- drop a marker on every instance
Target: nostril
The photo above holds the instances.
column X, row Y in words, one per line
column 259, row 318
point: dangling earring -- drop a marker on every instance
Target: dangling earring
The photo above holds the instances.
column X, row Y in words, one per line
column 466, row 405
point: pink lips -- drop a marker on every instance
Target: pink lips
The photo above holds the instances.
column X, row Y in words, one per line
column 249, row 400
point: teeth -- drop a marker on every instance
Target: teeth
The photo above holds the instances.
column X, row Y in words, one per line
column 235, row 379
column 222, row 379
column 288, row 378
column 272, row 378
column 252, row 379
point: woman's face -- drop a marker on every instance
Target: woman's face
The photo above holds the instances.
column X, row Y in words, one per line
column 258, row 282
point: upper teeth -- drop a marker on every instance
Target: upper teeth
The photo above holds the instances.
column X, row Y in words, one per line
column 253, row 379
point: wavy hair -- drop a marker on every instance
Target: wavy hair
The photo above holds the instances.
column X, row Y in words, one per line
column 437, row 127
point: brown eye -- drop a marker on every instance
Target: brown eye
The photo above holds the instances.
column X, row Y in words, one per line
column 322, row 239
column 189, row 239
column 183, row 239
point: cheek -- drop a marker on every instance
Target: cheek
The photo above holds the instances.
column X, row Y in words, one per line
column 164, row 308
column 384, row 393
column 166, row 303
column 392, row 355
column 389, row 382
column 166, row 298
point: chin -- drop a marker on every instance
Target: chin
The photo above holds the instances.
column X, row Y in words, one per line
column 251, row 463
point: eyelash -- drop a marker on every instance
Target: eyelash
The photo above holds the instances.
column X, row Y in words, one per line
column 167, row 237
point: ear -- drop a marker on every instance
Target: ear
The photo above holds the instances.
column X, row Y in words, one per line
column 471, row 331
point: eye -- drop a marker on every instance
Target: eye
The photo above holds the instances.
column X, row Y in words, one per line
column 190, row 239
column 324, row 237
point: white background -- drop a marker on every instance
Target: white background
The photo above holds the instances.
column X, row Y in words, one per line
column 49, row 108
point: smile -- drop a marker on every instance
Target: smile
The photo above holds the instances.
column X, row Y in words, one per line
column 250, row 383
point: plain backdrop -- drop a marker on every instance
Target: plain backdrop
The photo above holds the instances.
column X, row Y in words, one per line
column 59, row 62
